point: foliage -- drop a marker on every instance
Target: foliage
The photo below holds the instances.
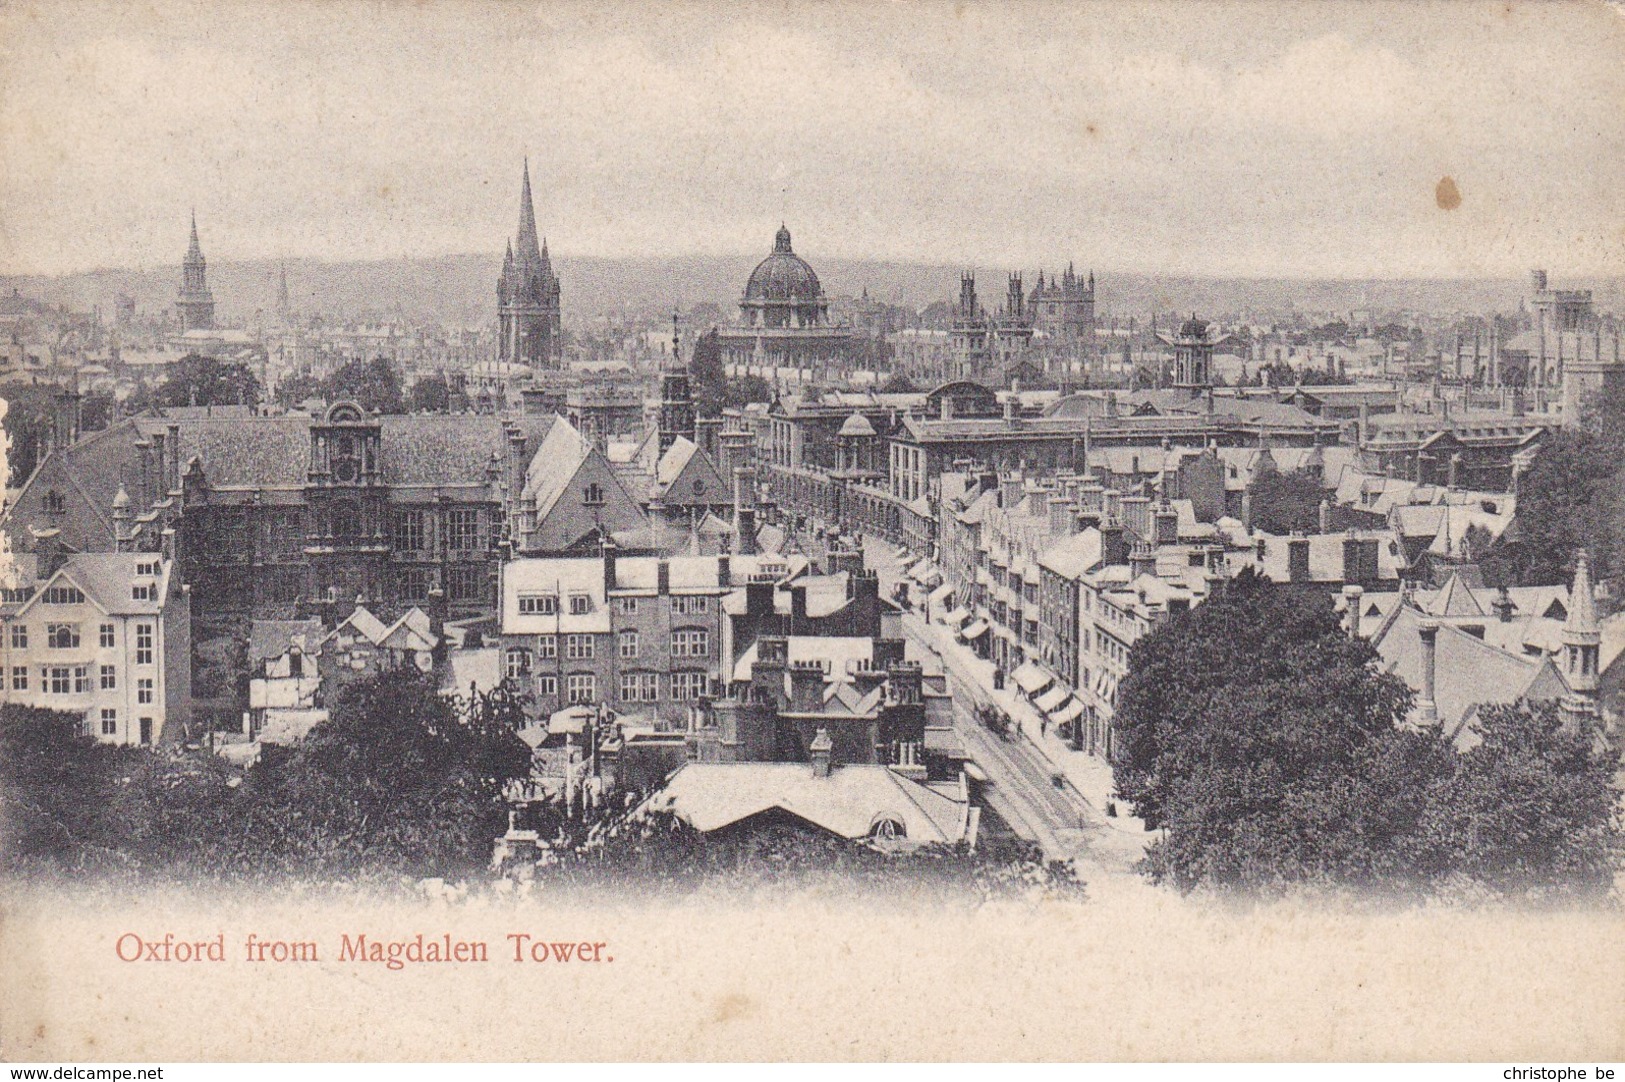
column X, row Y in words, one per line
column 29, row 422
column 707, row 374
column 295, row 389
column 196, row 380
column 1283, row 502
column 899, row 383
column 53, row 782
column 375, row 385
column 1281, row 374
column 96, row 411
column 1265, row 744
column 430, row 394
column 745, row 390
column 1573, row 497
column 1532, row 807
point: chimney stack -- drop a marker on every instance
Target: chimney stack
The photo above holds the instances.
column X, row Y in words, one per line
column 822, row 751
column 1427, row 706
column 1351, row 609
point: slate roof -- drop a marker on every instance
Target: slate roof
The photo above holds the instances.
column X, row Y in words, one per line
column 848, row 803
column 107, row 578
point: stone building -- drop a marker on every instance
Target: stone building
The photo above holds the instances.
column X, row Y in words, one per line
column 783, row 331
column 528, row 325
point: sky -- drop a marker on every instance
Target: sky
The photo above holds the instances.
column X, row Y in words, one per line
column 1251, row 140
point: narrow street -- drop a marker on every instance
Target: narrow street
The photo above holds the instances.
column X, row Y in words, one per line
column 1023, row 787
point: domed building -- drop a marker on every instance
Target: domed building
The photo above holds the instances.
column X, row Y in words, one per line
column 783, row 333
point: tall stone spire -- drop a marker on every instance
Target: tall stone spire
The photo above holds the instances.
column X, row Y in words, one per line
column 195, row 304
column 1582, row 643
column 194, row 251
column 526, row 242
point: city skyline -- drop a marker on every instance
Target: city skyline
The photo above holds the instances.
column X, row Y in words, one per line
column 1043, row 131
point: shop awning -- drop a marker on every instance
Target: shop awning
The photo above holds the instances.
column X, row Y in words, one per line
column 957, row 617
column 1030, row 678
column 1070, row 712
column 977, row 629
column 1052, row 698
column 942, row 593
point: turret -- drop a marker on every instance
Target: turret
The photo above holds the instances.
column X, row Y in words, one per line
column 1582, row 643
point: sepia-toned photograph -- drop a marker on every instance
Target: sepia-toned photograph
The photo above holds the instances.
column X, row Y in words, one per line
column 790, row 531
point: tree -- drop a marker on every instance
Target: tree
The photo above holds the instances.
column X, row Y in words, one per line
column 899, row 383
column 1573, row 497
column 1533, row 807
column 1248, row 729
column 1283, row 502
column 54, row 780
column 430, row 394
column 196, row 380
column 374, row 385
column 745, row 390
column 295, row 389
column 29, row 423
column 709, row 378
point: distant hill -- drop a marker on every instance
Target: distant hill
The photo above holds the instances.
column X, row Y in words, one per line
column 461, row 289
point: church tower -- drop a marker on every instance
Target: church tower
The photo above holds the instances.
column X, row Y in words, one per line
column 676, row 396
column 195, row 303
column 1582, row 642
column 528, row 295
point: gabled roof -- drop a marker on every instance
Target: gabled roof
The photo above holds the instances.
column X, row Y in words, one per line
column 273, row 638
column 107, row 580
column 849, row 803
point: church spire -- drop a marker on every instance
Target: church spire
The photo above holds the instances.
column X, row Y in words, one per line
column 194, row 251
column 1582, row 643
column 528, row 249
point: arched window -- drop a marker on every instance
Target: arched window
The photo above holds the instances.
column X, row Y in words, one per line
column 888, row 830
column 594, row 495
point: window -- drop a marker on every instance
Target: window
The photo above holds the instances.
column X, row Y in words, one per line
column 413, row 583
column 547, row 646
column 582, row 687
column 105, row 635
column 81, row 679
column 109, row 678
column 285, row 531
column 629, row 644
column 593, row 496
column 580, row 604
column 143, row 644
column 144, row 591
column 62, row 636
column 19, row 636
column 147, row 567
column 19, row 678
column 63, row 594
column 59, row 677
column 410, row 531
column 690, row 606
column 345, row 520
column 54, row 504
column 538, row 604
column 547, row 685
column 690, row 642
column 143, row 691
column 686, row 686
column 578, row 647
column 467, row 583
column 109, row 721
column 626, row 606
column 517, row 662
column 463, row 529
column 640, row 687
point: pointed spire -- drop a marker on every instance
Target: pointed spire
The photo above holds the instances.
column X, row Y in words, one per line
column 525, row 242
column 194, row 251
column 1582, row 619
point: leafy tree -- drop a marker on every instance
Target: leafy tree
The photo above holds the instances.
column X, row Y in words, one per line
column 1573, row 497
column 375, row 385
column 744, row 390
column 1533, row 807
column 96, row 411
column 708, row 375
column 53, row 782
column 1246, row 729
column 1283, row 502
column 28, row 422
column 295, row 389
column 899, row 383
column 430, row 394
column 196, row 380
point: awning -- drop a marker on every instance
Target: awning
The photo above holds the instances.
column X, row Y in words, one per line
column 1070, row 712
column 977, row 629
column 942, row 593
column 957, row 617
column 1052, row 698
column 1030, row 678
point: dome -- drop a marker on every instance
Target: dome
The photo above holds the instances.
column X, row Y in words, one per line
column 1193, row 328
column 783, row 276
column 857, row 425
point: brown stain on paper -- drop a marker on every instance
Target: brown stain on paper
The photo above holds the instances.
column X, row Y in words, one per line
column 1446, row 194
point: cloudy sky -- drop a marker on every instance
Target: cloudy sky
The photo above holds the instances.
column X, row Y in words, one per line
column 1276, row 139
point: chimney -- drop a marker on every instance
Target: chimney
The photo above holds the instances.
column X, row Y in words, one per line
column 1167, row 525
column 1297, row 559
column 1351, row 609
column 745, row 509
column 48, row 551
column 886, row 653
column 1427, row 706
column 821, row 750
column 1142, row 560
column 798, row 607
column 806, row 686
column 1113, row 550
column 67, row 418
column 724, row 571
column 609, row 550
column 172, row 460
column 1503, row 605
column 1325, row 516
column 1038, row 502
column 437, row 612
column 516, row 463
column 663, row 577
